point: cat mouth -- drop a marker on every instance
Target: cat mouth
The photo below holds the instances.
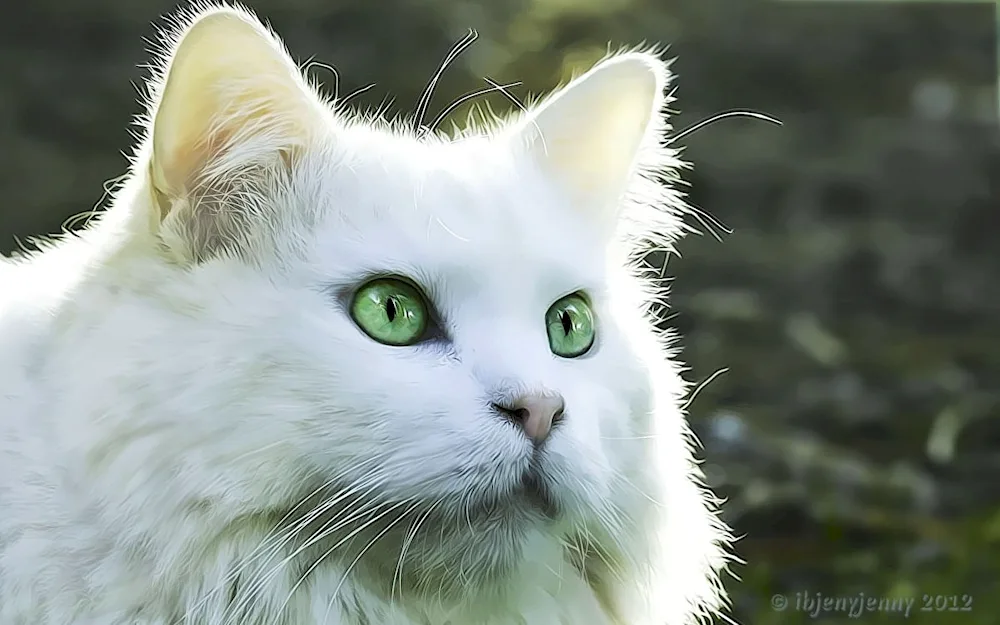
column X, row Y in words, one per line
column 535, row 491
column 531, row 497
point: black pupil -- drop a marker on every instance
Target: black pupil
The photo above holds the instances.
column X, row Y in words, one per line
column 567, row 322
column 390, row 309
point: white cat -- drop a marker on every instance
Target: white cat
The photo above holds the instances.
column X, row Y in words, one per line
column 311, row 369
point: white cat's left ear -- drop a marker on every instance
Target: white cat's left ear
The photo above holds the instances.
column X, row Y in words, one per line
column 589, row 135
column 230, row 114
column 229, row 85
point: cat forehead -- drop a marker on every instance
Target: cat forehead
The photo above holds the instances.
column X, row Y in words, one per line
column 455, row 210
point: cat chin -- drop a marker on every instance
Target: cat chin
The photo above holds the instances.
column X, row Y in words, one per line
column 448, row 562
column 436, row 547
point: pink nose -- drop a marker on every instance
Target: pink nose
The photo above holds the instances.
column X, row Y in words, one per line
column 535, row 413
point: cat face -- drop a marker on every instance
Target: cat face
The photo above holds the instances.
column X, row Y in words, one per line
column 447, row 328
column 488, row 249
column 482, row 250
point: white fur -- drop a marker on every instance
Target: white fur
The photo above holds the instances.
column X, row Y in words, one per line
column 180, row 384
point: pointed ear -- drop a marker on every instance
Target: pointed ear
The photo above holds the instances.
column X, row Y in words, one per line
column 590, row 134
column 232, row 108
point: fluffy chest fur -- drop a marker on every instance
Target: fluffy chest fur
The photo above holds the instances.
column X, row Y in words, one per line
column 313, row 370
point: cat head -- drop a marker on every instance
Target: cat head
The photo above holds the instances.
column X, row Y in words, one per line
column 452, row 328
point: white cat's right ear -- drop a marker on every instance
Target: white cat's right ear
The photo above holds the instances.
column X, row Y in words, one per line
column 231, row 111
column 592, row 135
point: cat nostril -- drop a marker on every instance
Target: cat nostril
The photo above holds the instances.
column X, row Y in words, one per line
column 534, row 413
column 504, row 410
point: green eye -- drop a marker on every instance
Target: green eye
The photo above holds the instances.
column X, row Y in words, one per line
column 570, row 324
column 390, row 311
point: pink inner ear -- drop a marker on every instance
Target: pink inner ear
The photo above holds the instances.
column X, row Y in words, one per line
column 181, row 169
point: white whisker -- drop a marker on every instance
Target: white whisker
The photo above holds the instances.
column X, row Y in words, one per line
column 361, row 554
column 701, row 386
column 279, row 539
column 329, row 527
column 453, row 54
column 465, row 98
column 410, row 535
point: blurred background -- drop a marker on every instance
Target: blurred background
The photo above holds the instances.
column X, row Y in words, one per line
column 852, row 294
